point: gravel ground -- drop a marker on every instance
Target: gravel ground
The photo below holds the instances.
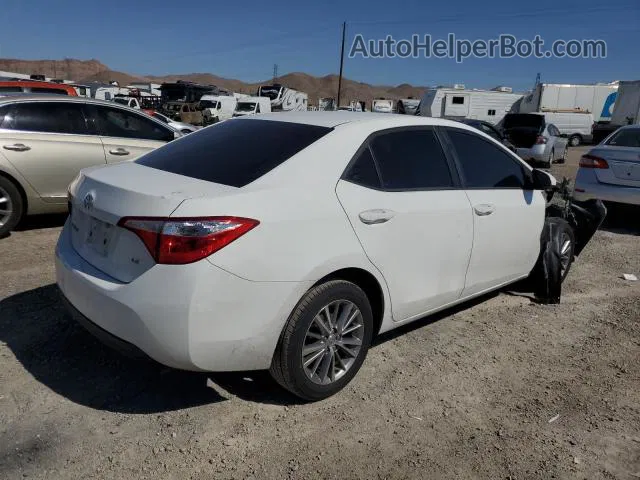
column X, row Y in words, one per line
column 500, row 388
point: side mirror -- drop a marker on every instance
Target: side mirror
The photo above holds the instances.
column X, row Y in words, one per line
column 541, row 180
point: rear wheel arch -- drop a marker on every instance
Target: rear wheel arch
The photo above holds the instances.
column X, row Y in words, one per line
column 369, row 285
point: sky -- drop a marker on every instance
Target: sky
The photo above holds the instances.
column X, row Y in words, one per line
column 245, row 39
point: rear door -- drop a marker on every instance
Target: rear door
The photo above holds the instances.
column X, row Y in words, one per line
column 127, row 135
column 48, row 143
column 507, row 215
column 412, row 219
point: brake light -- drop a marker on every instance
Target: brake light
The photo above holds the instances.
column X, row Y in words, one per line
column 177, row 241
column 591, row 161
column 540, row 140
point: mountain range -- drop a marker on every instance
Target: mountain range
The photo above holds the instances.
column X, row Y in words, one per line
column 84, row 71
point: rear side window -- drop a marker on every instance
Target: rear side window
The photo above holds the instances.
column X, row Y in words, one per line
column 10, row 89
column 116, row 122
column 553, row 130
column 411, row 159
column 485, row 165
column 626, row 137
column 46, row 117
column 363, row 171
column 235, row 152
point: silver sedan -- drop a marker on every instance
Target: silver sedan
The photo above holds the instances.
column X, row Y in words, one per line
column 611, row 170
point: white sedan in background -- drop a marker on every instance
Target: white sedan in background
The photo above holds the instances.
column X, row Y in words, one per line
column 288, row 241
column 611, row 171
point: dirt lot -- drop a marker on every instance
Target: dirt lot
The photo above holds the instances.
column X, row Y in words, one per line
column 503, row 388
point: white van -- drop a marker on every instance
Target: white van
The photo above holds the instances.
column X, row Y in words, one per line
column 216, row 108
column 576, row 126
column 252, row 105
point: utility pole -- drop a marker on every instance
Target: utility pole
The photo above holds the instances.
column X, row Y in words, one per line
column 344, row 28
column 275, row 72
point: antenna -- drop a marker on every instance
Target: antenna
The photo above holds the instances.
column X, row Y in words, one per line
column 537, row 80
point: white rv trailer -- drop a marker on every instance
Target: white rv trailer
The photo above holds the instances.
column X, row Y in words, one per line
column 596, row 99
column 458, row 102
column 284, row 99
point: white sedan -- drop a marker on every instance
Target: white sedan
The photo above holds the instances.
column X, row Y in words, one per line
column 288, row 241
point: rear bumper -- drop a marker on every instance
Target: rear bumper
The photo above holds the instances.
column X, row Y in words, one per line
column 587, row 187
column 192, row 317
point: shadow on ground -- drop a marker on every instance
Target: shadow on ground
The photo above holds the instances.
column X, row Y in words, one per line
column 36, row 222
column 623, row 219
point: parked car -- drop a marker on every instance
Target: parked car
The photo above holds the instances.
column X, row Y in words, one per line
column 611, row 170
column 184, row 112
column 46, row 140
column 291, row 251
column 490, row 130
column 179, row 126
column 535, row 140
column 37, row 87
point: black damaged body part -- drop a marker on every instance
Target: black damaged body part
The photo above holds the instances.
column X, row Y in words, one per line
column 567, row 230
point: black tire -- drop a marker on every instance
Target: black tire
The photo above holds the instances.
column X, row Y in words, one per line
column 287, row 367
column 8, row 188
column 563, row 159
column 549, row 161
column 575, row 140
column 554, row 262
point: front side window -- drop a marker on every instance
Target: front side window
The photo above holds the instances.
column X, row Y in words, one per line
column 46, row 117
column 484, row 164
column 411, row 159
column 115, row 122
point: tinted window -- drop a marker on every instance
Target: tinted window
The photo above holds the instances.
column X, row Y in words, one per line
column 553, row 130
column 363, row 171
column 411, row 159
column 46, row 117
column 222, row 154
column 492, row 132
column 485, row 165
column 57, row 91
column 628, row 137
column 115, row 122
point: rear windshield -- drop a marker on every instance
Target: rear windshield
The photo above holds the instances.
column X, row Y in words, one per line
column 235, row 152
column 513, row 120
column 626, row 137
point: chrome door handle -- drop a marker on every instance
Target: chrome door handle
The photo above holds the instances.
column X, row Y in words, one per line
column 17, row 147
column 119, row 151
column 375, row 216
column 484, row 209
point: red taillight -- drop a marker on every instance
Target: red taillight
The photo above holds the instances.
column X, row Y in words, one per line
column 591, row 161
column 186, row 240
column 540, row 140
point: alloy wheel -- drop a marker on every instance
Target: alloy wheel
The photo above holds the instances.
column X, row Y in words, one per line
column 6, row 207
column 566, row 252
column 333, row 342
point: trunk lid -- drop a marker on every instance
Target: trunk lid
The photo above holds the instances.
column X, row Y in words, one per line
column 102, row 196
column 624, row 165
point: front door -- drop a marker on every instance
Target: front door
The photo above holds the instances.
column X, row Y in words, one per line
column 508, row 216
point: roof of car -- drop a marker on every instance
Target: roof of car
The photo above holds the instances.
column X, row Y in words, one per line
column 341, row 117
column 56, row 98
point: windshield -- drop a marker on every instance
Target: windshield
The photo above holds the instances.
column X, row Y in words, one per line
column 246, row 107
column 121, row 101
column 626, row 137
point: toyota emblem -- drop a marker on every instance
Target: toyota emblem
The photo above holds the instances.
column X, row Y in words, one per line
column 88, row 201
